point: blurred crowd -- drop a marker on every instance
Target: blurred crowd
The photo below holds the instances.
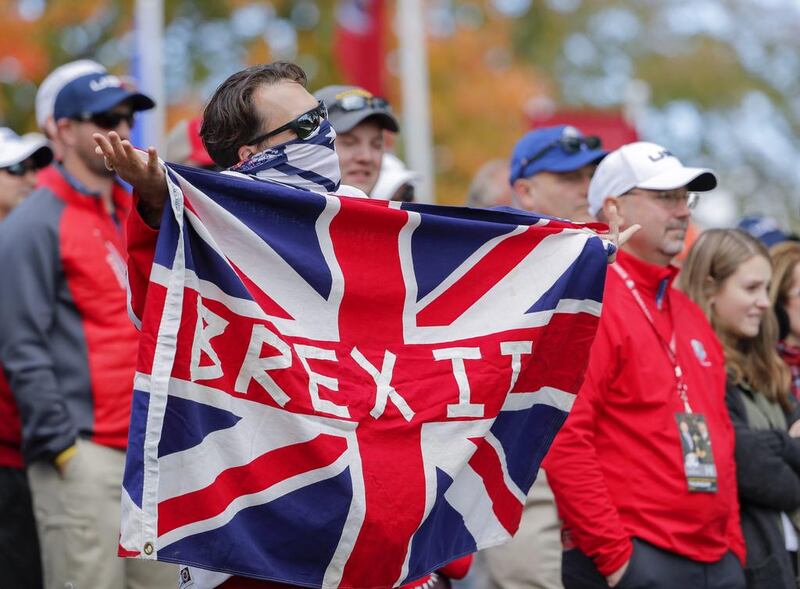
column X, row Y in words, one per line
column 679, row 464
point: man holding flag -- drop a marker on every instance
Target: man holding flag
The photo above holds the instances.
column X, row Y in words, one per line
column 311, row 415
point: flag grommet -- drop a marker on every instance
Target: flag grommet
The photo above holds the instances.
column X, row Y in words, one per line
column 148, row 548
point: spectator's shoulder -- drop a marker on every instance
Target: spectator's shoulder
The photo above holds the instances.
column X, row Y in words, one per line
column 37, row 215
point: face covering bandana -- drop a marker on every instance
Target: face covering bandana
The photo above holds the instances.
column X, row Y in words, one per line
column 310, row 164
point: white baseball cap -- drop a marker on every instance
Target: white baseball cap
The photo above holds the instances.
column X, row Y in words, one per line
column 393, row 175
column 56, row 80
column 15, row 149
column 644, row 165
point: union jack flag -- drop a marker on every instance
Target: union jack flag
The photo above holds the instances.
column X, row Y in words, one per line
column 339, row 392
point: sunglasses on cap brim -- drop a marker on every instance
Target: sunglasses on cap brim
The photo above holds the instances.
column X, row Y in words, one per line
column 303, row 126
column 353, row 102
column 569, row 143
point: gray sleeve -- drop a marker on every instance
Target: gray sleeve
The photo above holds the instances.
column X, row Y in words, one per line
column 30, row 271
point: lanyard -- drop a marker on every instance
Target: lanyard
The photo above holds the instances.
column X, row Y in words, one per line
column 669, row 347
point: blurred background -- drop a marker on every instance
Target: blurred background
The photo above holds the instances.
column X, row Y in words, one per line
column 715, row 81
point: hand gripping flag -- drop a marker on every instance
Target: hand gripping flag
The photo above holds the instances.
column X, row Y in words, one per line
column 339, row 392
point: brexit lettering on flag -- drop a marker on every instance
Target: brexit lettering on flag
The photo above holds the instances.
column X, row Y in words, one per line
column 339, row 392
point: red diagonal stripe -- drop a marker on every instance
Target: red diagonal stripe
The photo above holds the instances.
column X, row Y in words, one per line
column 263, row 472
column 492, row 268
column 269, row 306
column 506, row 506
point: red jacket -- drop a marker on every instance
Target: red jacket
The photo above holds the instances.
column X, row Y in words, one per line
column 616, row 467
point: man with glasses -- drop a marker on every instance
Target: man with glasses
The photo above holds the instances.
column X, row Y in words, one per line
column 635, row 512
column 359, row 119
column 67, row 344
column 20, row 160
column 550, row 173
column 551, row 169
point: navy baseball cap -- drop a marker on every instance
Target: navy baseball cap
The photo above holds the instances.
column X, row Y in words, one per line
column 553, row 149
column 764, row 228
column 95, row 93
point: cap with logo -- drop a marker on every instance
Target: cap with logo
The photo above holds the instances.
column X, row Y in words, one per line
column 647, row 166
column 56, row 80
column 15, row 149
column 95, row 93
column 349, row 106
column 559, row 149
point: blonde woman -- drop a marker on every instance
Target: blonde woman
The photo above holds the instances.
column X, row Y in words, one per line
column 727, row 273
column 785, row 295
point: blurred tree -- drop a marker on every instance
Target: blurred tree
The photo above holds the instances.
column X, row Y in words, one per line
column 478, row 96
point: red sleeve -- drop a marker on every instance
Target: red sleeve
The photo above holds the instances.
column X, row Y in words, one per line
column 574, row 473
column 141, row 251
column 457, row 569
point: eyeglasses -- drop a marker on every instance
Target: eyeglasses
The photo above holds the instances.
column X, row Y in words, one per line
column 570, row 142
column 21, row 168
column 670, row 198
column 106, row 120
column 304, row 126
column 352, row 102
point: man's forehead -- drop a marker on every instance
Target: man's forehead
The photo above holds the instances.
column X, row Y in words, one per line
column 368, row 127
column 286, row 95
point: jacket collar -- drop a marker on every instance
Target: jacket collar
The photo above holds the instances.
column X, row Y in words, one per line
column 56, row 178
column 651, row 279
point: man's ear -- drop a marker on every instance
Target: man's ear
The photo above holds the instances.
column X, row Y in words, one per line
column 523, row 193
column 246, row 151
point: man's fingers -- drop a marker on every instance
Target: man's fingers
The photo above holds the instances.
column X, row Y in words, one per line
column 103, row 145
column 626, row 235
column 116, row 144
column 613, row 222
column 130, row 152
column 152, row 160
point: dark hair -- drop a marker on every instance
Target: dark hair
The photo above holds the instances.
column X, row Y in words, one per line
column 230, row 118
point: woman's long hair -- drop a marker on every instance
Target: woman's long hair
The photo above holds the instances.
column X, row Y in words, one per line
column 785, row 256
column 714, row 257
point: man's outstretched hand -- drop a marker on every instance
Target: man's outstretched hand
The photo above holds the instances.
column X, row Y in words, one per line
column 140, row 169
column 613, row 235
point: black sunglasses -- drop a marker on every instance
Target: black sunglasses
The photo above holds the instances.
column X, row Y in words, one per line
column 304, row 126
column 106, row 120
column 570, row 142
column 353, row 102
column 21, row 168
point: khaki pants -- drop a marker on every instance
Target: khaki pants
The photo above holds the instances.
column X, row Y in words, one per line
column 77, row 515
column 532, row 559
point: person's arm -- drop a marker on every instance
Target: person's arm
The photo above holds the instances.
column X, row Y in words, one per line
column 29, row 266
column 574, row 472
column 141, row 252
column 764, row 476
